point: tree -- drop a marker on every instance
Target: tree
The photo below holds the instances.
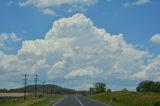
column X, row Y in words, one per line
column 157, row 86
column 148, row 86
column 100, row 87
column 109, row 91
column 91, row 90
column 125, row 90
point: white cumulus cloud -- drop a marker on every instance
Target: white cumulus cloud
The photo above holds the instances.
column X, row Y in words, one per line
column 155, row 39
column 50, row 3
column 136, row 3
column 44, row 5
column 141, row 2
column 89, row 72
column 48, row 12
column 151, row 71
column 12, row 36
column 7, row 39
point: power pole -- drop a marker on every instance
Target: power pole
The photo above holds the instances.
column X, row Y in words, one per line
column 36, row 79
column 43, row 88
column 51, row 90
column 94, row 88
column 25, row 85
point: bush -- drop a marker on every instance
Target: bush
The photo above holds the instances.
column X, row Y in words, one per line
column 157, row 103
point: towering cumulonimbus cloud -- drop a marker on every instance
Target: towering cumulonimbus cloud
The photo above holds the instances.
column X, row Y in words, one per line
column 77, row 52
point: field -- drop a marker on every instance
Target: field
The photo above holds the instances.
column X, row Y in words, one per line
column 128, row 98
column 12, row 94
column 30, row 101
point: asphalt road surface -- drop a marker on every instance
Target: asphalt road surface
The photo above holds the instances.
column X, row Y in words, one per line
column 78, row 101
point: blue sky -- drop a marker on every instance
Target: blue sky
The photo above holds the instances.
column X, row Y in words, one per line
column 24, row 22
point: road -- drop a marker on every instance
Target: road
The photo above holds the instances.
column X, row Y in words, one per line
column 77, row 101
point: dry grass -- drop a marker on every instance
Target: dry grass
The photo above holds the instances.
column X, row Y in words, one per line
column 12, row 94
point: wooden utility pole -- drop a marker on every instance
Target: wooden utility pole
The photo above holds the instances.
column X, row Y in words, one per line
column 35, row 88
column 43, row 88
column 25, row 85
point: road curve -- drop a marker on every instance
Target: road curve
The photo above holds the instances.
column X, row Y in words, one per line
column 77, row 101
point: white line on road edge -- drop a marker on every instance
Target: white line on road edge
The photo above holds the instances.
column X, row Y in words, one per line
column 57, row 102
column 79, row 101
column 99, row 102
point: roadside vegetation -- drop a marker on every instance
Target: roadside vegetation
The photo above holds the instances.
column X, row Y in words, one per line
column 32, row 101
column 45, row 95
column 125, row 98
column 147, row 94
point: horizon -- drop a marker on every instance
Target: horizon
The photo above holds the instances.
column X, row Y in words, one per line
column 75, row 44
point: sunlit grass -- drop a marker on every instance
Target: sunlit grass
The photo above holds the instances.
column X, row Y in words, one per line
column 128, row 98
column 46, row 102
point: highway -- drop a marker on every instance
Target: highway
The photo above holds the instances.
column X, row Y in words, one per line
column 77, row 101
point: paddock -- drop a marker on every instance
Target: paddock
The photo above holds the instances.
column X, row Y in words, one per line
column 11, row 96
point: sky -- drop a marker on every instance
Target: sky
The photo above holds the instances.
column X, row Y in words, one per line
column 76, row 43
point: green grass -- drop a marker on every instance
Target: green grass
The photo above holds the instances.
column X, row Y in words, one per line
column 46, row 102
column 32, row 101
column 128, row 98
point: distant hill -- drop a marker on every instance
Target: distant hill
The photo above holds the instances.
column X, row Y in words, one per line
column 48, row 88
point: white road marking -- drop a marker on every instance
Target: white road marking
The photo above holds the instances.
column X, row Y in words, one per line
column 98, row 102
column 79, row 101
column 58, row 102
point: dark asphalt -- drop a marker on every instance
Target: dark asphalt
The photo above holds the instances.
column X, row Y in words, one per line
column 77, row 101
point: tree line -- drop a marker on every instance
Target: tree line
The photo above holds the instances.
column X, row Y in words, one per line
column 148, row 86
column 143, row 86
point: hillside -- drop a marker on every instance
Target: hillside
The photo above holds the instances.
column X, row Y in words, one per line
column 48, row 88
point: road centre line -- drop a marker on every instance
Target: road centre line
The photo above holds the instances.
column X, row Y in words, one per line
column 98, row 102
column 79, row 101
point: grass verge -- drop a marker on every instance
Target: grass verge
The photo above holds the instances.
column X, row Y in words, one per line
column 128, row 98
column 46, row 102
column 32, row 101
